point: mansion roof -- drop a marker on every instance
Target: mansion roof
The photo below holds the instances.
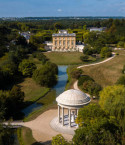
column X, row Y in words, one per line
column 64, row 33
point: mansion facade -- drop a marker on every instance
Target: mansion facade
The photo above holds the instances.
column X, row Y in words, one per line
column 64, row 41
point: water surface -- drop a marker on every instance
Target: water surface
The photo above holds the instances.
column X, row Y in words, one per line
column 59, row 88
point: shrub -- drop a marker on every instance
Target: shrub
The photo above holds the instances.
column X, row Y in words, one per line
column 123, row 70
column 84, row 78
column 106, row 52
column 40, row 56
column 76, row 73
column 84, row 58
column 59, row 140
column 121, row 80
column 92, row 88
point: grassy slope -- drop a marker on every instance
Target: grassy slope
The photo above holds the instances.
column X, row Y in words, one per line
column 48, row 103
column 65, row 58
column 107, row 73
column 25, row 137
column 32, row 90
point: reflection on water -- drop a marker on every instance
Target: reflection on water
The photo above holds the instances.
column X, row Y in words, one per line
column 59, row 88
column 31, row 108
column 62, row 80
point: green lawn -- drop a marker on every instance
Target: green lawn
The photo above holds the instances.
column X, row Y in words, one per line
column 25, row 137
column 107, row 73
column 64, row 58
column 32, row 90
column 71, row 80
column 48, row 102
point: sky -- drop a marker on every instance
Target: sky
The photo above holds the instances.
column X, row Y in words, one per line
column 44, row 8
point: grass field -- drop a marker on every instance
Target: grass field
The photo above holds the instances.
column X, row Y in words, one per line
column 107, row 73
column 64, row 58
column 32, row 90
column 25, row 137
column 48, row 103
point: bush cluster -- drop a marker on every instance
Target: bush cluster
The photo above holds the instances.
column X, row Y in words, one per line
column 89, row 85
column 46, row 75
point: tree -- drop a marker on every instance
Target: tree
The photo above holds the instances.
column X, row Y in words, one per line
column 11, row 102
column 27, row 68
column 88, row 50
column 41, row 57
column 9, row 67
column 59, row 140
column 52, row 66
column 6, row 136
column 45, row 76
column 106, row 52
column 92, row 88
column 21, row 40
column 14, row 101
column 76, row 73
column 112, row 100
column 95, row 127
column 84, row 78
column 58, row 26
column 100, row 132
column 89, row 113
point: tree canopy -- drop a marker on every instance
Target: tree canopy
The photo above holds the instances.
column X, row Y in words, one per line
column 112, row 100
column 27, row 67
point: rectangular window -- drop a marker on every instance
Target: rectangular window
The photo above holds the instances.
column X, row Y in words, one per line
column 55, row 43
column 59, row 42
column 68, row 43
column 64, row 43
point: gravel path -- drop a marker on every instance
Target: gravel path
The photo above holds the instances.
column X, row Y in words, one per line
column 41, row 130
column 75, row 85
column 98, row 62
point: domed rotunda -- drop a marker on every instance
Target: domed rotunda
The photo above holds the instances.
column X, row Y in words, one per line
column 69, row 103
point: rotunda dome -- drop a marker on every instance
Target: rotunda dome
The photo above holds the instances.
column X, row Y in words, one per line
column 73, row 98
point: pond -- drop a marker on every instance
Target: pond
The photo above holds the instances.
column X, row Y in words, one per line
column 59, row 88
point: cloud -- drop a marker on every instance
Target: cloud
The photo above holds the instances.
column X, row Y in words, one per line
column 59, row 10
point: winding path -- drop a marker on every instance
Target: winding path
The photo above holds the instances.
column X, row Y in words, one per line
column 40, row 127
column 108, row 59
column 75, row 85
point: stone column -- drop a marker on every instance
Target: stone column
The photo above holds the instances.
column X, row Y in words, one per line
column 69, row 117
column 77, row 115
column 77, row 111
column 62, row 116
column 59, row 113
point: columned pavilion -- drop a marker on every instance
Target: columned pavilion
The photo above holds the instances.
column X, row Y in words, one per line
column 69, row 103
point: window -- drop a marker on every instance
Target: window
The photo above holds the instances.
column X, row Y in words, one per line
column 64, row 43
column 59, row 42
column 55, row 43
column 68, row 43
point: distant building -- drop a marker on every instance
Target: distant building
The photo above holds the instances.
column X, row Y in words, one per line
column 97, row 29
column 26, row 35
column 63, row 41
column 80, row 47
column 48, row 45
